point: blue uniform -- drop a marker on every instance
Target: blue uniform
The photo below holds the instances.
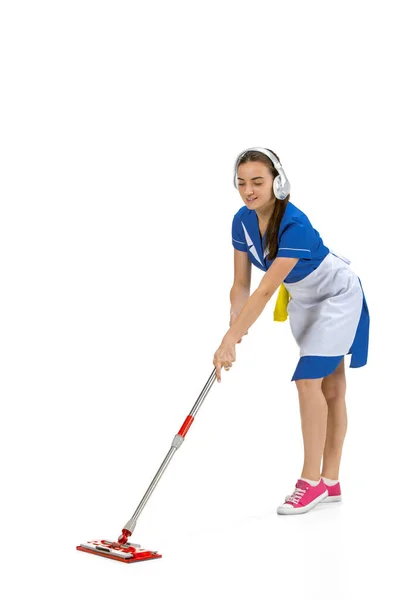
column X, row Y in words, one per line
column 328, row 312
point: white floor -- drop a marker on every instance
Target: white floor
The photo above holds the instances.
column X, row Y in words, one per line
column 337, row 551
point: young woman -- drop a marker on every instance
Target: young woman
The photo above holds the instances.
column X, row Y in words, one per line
column 327, row 311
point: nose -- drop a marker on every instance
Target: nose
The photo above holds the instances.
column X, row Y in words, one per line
column 249, row 192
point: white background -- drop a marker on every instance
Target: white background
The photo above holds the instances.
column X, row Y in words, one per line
column 120, row 125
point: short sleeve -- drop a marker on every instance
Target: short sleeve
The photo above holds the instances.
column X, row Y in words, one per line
column 296, row 240
column 238, row 240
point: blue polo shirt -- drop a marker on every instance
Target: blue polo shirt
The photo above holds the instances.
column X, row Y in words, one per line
column 296, row 238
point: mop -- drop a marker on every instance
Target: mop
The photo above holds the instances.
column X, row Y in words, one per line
column 123, row 550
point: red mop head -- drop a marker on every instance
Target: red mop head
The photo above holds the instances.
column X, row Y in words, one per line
column 127, row 553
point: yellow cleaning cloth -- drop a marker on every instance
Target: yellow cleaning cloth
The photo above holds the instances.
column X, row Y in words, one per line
column 280, row 312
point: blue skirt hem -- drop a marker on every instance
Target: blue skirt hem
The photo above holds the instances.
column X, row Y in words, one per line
column 314, row 367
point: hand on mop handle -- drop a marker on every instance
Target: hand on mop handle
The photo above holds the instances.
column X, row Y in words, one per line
column 225, row 356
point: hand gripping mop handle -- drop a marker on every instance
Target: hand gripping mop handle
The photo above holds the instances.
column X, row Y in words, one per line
column 176, row 443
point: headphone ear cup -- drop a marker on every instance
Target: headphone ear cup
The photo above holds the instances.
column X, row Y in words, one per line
column 280, row 191
column 277, row 187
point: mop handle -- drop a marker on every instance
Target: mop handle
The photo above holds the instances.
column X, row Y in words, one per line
column 176, row 443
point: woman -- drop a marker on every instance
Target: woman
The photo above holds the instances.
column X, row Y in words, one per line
column 327, row 310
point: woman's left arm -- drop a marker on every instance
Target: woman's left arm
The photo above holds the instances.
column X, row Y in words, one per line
column 277, row 272
column 256, row 303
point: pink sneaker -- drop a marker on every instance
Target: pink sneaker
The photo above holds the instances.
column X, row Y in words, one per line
column 334, row 493
column 304, row 498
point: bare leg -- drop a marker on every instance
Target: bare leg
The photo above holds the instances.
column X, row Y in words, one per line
column 313, row 411
column 334, row 389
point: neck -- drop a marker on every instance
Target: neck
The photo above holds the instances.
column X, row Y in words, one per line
column 265, row 213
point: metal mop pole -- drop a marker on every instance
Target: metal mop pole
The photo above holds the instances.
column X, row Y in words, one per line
column 176, row 443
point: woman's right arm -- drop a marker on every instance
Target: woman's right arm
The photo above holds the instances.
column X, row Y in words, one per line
column 240, row 290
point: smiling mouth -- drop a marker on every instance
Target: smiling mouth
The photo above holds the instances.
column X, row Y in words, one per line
column 251, row 199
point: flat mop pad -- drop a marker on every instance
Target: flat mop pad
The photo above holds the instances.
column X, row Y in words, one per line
column 127, row 553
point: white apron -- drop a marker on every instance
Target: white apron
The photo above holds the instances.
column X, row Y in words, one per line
column 325, row 308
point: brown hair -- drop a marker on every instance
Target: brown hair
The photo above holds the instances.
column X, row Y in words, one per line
column 271, row 238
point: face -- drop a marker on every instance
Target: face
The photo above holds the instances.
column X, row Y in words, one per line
column 255, row 185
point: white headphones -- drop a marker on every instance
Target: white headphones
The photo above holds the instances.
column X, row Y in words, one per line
column 281, row 183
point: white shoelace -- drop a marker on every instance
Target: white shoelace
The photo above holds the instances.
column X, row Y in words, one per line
column 296, row 496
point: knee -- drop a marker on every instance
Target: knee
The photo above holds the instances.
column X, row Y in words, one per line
column 334, row 387
column 307, row 386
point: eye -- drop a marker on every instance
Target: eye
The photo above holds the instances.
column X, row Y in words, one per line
column 254, row 184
